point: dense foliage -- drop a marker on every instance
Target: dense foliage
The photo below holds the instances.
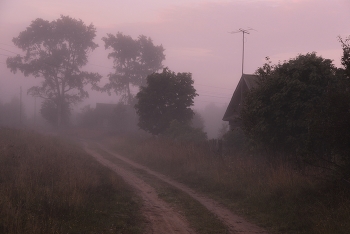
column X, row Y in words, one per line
column 56, row 51
column 133, row 61
column 277, row 113
column 301, row 107
column 345, row 60
column 167, row 97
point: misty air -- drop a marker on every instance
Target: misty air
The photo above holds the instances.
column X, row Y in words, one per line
column 197, row 116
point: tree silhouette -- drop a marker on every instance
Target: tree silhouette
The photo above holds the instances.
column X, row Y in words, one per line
column 56, row 51
column 133, row 61
column 167, row 97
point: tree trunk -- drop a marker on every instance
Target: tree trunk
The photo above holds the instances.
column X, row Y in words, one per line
column 129, row 95
column 59, row 113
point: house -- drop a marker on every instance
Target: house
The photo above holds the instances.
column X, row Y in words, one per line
column 104, row 113
column 116, row 117
column 246, row 83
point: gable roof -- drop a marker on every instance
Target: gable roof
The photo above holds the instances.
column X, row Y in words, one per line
column 246, row 83
column 250, row 80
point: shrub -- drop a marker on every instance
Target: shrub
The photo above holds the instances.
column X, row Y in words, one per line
column 184, row 132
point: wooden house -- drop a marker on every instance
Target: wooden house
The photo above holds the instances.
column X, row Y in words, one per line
column 246, row 83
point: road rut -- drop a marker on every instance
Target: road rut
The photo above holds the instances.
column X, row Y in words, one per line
column 159, row 211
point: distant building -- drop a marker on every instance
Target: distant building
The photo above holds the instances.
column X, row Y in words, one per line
column 104, row 114
column 116, row 117
column 246, row 83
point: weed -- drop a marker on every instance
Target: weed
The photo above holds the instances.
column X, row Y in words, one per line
column 274, row 195
column 48, row 185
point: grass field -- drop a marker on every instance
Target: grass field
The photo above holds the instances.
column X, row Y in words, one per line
column 48, row 185
column 274, row 195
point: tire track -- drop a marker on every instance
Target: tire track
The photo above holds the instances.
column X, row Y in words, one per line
column 235, row 223
column 162, row 218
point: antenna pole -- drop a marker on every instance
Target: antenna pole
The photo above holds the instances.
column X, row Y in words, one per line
column 243, row 31
column 243, row 52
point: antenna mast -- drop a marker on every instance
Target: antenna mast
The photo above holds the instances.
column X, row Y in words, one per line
column 243, row 31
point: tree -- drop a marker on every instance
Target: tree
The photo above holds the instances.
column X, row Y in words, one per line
column 133, row 61
column 225, row 127
column 56, row 51
column 281, row 111
column 345, row 60
column 49, row 111
column 197, row 120
column 167, row 96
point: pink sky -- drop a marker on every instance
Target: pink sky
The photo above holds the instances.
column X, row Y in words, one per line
column 194, row 34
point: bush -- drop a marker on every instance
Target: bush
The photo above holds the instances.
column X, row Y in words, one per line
column 184, row 132
column 234, row 141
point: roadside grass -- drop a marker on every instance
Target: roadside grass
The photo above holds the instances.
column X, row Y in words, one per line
column 273, row 195
column 200, row 219
column 48, row 185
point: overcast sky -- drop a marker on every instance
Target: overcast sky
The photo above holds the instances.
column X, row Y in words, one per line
column 194, row 34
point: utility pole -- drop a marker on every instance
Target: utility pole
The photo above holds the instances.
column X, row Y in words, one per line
column 243, row 31
column 20, row 107
column 35, row 112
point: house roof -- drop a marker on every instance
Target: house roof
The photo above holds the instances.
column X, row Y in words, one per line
column 250, row 80
column 105, row 109
column 246, row 83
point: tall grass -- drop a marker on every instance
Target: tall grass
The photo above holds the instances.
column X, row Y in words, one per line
column 50, row 186
column 274, row 195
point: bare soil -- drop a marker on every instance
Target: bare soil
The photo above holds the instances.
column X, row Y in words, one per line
column 162, row 218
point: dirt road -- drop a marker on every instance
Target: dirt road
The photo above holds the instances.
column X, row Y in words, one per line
column 162, row 218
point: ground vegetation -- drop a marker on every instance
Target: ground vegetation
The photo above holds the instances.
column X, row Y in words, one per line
column 49, row 185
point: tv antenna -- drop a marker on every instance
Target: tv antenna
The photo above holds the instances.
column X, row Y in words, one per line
column 243, row 31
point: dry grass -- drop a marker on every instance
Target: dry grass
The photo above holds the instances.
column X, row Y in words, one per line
column 274, row 195
column 50, row 186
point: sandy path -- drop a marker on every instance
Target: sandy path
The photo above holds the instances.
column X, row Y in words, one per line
column 162, row 218
column 235, row 223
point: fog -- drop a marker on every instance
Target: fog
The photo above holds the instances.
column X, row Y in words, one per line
column 194, row 34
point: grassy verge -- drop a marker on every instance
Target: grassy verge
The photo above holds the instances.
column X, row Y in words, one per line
column 50, row 186
column 274, row 196
column 201, row 220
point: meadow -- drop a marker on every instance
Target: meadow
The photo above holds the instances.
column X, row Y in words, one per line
column 50, row 185
column 274, row 194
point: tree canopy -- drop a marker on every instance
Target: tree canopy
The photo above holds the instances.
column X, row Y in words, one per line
column 301, row 107
column 56, row 51
column 345, row 60
column 133, row 61
column 167, row 97
column 281, row 111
